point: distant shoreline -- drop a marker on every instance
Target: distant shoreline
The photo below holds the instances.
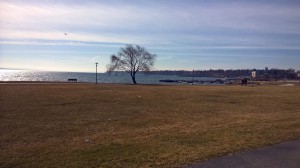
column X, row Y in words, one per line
column 281, row 82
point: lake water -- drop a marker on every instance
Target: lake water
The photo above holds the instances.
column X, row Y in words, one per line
column 24, row 75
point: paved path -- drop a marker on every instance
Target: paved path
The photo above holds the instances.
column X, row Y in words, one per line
column 284, row 155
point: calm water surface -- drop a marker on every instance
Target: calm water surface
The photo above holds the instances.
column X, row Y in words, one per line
column 25, row 75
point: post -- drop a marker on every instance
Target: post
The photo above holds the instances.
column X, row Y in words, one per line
column 193, row 78
column 96, row 72
column 253, row 75
column 276, row 73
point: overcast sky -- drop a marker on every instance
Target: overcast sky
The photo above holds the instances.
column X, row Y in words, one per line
column 185, row 34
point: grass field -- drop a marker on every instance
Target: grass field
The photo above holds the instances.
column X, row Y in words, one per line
column 86, row 125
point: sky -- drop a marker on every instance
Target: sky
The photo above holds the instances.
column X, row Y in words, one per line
column 185, row 35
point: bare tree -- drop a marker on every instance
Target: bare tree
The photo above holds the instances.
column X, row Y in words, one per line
column 132, row 59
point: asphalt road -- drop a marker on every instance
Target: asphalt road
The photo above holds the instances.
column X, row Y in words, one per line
column 284, row 155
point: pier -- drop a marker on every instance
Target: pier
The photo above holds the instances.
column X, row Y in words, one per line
column 217, row 81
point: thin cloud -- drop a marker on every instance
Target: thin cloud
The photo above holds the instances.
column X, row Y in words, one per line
column 153, row 24
column 172, row 29
column 129, row 18
column 84, row 37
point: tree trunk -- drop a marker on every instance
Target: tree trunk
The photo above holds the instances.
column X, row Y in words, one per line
column 133, row 79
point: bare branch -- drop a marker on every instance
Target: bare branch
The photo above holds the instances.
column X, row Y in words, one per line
column 132, row 59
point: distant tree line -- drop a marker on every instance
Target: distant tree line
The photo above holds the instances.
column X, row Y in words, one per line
column 261, row 74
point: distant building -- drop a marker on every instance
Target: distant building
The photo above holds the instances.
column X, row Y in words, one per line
column 253, row 74
column 266, row 69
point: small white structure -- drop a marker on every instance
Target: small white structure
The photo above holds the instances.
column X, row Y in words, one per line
column 253, row 74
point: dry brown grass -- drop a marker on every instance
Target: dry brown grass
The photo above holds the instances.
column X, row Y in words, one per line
column 85, row 125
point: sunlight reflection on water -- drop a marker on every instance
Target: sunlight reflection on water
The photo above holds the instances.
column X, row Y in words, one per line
column 26, row 75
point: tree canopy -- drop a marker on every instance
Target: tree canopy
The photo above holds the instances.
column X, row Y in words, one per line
column 132, row 59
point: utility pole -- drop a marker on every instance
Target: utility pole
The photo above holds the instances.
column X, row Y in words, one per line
column 96, row 72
